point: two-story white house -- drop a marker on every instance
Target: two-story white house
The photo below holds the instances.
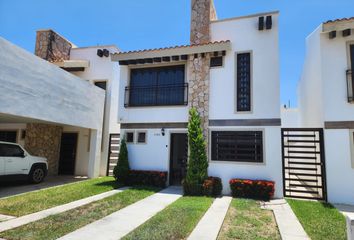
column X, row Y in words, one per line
column 230, row 74
column 326, row 100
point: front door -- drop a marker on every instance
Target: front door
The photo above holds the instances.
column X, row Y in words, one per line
column 178, row 157
column 67, row 153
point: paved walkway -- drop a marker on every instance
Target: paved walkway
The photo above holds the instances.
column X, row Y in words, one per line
column 5, row 217
column 348, row 212
column 209, row 226
column 11, row 188
column 288, row 224
column 120, row 223
column 13, row 223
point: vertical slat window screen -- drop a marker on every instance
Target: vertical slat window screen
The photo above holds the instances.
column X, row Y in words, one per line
column 237, row 146
column 243, row 82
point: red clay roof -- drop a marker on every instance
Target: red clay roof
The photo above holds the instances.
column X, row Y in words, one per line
column 340, row 20
column 174, row 47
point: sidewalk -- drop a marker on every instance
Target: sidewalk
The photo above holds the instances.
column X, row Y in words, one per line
column 288, row 224
column 209, row 226
column 120, row 223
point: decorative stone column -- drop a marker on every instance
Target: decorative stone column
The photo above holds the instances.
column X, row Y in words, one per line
column 51, row 46
column 198, row 92
column 43, row 140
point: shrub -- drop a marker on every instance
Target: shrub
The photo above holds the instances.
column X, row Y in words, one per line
column 197, row 168
column 121, row 170
column 258, row 189
column 150, row 178
column 212, row 186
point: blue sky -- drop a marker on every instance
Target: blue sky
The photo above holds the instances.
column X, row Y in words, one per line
column 139, row 24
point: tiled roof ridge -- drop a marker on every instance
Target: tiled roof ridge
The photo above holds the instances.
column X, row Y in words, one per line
column 174, row 47
column 339, row 20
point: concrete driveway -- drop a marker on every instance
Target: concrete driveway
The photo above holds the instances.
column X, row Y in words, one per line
column 8, row 189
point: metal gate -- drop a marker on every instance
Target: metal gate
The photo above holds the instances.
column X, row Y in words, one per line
column 113, row 152
column 304, row 174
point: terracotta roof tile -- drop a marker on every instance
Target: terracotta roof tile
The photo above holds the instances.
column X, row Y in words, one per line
column 174, row 47
column 340, row 20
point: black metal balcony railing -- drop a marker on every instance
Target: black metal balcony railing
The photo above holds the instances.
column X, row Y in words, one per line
column 350, row 85
column 160, row 95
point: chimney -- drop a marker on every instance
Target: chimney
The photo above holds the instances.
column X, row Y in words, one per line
column 51, row 46
column 203, row 11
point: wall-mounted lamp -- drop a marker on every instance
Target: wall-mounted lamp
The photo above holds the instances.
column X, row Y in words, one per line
column 162, row 131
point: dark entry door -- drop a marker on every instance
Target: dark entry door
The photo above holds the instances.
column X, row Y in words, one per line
column 178, row 157
column 67, row 153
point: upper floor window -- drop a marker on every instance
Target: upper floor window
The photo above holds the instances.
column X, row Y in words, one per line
column 350, row 74
column 243, row 82
column 157, row 86
column 216, row 61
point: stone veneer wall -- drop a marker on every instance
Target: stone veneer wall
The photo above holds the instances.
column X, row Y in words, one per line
column 51, row 46
column 198, row 88
column 43, row 140
column 203, row 12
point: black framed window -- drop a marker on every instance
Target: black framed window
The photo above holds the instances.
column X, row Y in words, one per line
column 243, row 82
column 157, row 86
column 352, row 66
column 216, row 61
column 9, row 150
column 237, row 146
column 129, row 137
column 141, row 137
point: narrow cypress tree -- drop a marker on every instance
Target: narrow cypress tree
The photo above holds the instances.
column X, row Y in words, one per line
column 121, row 171
column 197, row 170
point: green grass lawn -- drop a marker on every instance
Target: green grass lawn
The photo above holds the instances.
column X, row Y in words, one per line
column 174, row 222
column 61, row 224
column 320, row 220
column 247, row 221
column 39, row 200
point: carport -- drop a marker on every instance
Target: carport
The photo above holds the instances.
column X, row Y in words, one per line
column 51, row 111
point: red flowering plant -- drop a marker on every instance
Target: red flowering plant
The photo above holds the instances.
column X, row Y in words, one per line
column 258, row 189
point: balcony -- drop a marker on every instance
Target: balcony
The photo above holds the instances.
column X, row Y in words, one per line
column 350, row 85
column 160, row 95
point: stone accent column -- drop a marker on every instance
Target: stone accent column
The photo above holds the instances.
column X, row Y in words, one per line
column 43, row 140
column 51, row 46
column 198, row 88
column 203, row 11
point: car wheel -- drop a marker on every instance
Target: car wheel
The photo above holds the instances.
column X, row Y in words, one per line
column 37, row 175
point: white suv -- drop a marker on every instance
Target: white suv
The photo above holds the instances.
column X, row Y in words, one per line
column 15, row 161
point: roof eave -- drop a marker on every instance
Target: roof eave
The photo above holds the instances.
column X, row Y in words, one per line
column 187, row 50
column 338, row 25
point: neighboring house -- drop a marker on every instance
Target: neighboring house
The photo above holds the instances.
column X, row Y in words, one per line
column 230, row 74
column 38, row 102
column 326, row 101
column 94, row 65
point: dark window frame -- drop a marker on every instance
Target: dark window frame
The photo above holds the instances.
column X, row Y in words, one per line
column 159, row 91
column 244, row 84
column 138, row 137
column 232, row 146
column 214, row 63
column 126, row 136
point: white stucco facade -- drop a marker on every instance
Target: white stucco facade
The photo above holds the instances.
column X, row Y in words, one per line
column 323, row 103
column 244, row 36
